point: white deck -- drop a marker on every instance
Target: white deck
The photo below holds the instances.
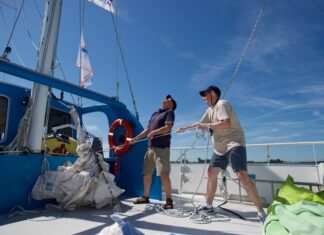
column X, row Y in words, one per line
column 90, row 221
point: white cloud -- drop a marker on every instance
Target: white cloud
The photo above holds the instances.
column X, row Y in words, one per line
column 166, row 41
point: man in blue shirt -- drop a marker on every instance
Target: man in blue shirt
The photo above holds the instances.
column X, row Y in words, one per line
column 158, row 133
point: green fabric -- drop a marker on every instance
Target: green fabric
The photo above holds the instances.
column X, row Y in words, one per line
column 304, row 217
column 295, row 211
column 289, row 194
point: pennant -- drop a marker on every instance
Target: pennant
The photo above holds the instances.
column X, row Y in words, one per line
column 83, row 62
column 105, row 4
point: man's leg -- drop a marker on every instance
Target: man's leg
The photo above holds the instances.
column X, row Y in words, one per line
column 250, row 189
column 212, row 184
column 147, row 180
column 166, row 183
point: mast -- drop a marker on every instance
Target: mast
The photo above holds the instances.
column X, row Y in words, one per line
column 45, row 64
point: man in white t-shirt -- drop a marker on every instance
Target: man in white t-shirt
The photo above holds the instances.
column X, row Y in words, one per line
column 229, row 146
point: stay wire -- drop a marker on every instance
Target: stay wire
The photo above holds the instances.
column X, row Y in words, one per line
column 245, row 49
column 8, row 5
column 14, row 26
column 124, row 64
column 12, row 44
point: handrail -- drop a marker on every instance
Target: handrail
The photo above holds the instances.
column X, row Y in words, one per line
column 267, row 145
column 183, row 151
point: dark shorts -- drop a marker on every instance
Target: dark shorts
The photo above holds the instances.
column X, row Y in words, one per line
column 237, row 157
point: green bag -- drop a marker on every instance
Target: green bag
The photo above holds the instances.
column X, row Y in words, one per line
column 295, row 211
column 289, row 193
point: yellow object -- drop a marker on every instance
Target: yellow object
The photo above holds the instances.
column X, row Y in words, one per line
column 60, row 145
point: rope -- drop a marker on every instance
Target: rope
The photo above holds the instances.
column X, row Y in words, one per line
column 20, row 211
column 202, row 175
column 245, row 49
column 178, row 213
column 195, row 216
column 124, row 64
column 199, row 135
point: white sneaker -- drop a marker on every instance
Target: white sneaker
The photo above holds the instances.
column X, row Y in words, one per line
column 262, row 216
column 204, row 208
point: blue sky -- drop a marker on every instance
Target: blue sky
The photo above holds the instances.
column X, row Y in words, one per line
column 181, row 47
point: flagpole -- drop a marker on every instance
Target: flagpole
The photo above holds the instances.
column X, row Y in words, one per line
column 80, row 55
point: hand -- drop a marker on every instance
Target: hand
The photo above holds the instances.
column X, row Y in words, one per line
column 179, row 130
column 150, row 136
column 203, row 126
column 131, row 140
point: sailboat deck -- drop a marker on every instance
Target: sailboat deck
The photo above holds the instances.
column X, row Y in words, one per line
column 91, row 221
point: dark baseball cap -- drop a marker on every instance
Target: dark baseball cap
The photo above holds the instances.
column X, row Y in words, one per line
column 174, row 102
column 211, row 88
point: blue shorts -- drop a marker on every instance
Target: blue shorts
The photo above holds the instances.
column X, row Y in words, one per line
column 236, row 155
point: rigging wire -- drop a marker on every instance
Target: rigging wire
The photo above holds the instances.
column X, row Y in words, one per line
column 234, row 76
column 37, row 8
column 58, row 64
column 117, row 78
column 8, row 5
column 14, row 26
column 124, row 64
column 5, row 53
column 27, row 29
column 81, row 12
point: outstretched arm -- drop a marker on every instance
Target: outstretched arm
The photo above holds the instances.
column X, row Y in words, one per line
column 160, row 131
column 190, row 127
column 226, row 123
column 139, row 136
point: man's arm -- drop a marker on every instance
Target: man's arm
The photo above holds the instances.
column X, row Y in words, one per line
column 139, row 136
column 160, row 131
column 226, row 123
column 190, row 127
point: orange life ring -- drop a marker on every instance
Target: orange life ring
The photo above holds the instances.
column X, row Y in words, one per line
column 124, row 146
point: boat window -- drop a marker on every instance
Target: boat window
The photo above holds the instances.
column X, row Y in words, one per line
column 59, row 118
column 96, row 123
column 3, row 116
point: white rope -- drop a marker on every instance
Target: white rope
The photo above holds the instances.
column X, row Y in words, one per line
column 198, row 217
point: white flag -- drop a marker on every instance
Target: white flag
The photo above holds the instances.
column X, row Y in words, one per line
column 106, row 4
column 83, row 62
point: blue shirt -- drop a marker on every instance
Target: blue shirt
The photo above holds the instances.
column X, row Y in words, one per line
column 158, row 120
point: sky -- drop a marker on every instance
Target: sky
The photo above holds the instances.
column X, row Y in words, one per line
column 181, row 47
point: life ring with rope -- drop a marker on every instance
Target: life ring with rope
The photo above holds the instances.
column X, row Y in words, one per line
column 123, row 145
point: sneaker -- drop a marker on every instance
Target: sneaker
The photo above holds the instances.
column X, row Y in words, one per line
column 262, row 216
column 205, row 208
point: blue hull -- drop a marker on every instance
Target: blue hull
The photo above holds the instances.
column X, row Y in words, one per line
column 18, row 172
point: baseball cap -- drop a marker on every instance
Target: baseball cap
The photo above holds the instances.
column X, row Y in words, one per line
column 174, row 102
column 211, row 88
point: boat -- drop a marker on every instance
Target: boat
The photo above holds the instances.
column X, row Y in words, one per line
column 26, row 156
column 20, row 214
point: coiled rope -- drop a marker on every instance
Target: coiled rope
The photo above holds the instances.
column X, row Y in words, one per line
column 195, row 216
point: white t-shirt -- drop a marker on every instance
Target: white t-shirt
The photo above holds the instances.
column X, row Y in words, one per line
column 224, row 138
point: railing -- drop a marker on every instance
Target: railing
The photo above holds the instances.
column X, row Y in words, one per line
column 273, row 182
column 184, row 150
column 184, row 156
